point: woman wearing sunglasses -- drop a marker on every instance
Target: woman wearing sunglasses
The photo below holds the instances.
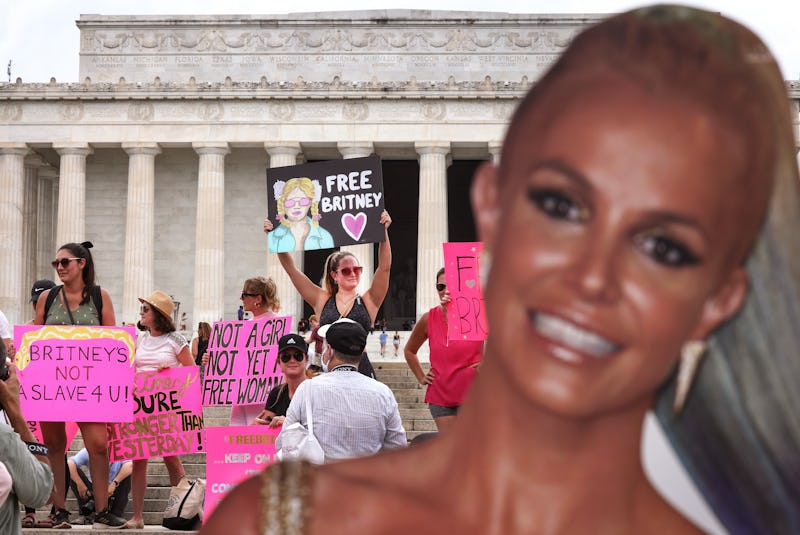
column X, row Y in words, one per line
column 453, row 363
column 293, row 358
column 297, row 230
column 259, row 298
column 161, row 346
column 77, row 301
column 340, row 298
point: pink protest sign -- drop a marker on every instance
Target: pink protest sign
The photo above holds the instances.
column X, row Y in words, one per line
column 243, row 361
column 168, row 419
column 69, row 373
column 466, row 318
column 232, row 455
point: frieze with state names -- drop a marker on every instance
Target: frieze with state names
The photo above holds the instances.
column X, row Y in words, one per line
column 389, row 45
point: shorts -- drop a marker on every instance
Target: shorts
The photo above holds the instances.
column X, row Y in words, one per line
column 440, row 411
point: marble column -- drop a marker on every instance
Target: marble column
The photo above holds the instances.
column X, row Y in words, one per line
column 432, row 229
column 46, row 221
column 12, row 179
column 282, row 155
column 365, row 251
column 209, row 262
column 30, row 230
column 71, row 221
column 138, row 277
column 495, row 149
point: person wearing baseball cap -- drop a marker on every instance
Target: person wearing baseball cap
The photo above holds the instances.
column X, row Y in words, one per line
column 293, row 360
column 354, row 415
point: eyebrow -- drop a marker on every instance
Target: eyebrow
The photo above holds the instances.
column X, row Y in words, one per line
column 655, row 217
column 560, row 166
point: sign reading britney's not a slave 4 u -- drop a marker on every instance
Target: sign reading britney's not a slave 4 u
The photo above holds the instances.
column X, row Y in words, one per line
column 322, row 205
column 75, row 372
column 243, row 361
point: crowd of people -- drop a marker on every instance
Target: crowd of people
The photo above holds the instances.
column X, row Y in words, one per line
column 635, row 204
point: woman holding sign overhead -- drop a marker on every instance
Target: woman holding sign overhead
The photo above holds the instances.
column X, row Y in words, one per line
column 161, row 346
column 77, row 301
column 453, row 362
column 340, row 298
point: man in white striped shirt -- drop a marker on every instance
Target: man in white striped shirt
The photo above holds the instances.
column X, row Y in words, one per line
column 353, row 415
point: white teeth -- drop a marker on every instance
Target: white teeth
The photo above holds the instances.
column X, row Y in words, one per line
column 572, row 336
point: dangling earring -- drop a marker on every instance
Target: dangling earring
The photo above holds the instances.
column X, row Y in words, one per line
column 484, row 267
column 691, row 354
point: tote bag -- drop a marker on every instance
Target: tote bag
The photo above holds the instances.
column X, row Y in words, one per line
column 297, row 442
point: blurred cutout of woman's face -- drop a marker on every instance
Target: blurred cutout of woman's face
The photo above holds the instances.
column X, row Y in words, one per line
column 611, row 244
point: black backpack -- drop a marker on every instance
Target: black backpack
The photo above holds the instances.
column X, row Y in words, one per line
column 97, row 299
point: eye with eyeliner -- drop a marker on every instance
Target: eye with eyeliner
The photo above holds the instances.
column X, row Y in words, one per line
column 556, row 204
column 666, row 250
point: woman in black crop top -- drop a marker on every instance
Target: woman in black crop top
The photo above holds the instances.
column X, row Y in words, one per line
column 340, row 298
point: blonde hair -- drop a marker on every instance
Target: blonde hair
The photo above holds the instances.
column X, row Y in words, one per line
column 332, row 264
column 305, row 185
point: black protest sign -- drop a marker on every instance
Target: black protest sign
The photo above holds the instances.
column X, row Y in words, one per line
column 322, row 205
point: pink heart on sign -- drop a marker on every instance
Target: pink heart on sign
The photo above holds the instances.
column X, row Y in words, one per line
column 354, row 224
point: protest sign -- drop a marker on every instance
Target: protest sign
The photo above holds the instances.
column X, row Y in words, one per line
column 243, row 361
column 69, row 373
column 321, row 205
column 466, row 317
column 232, row 455
column 168, row 419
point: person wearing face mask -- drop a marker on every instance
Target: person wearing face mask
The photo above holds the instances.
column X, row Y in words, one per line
column 353, row 415
column 293, row 359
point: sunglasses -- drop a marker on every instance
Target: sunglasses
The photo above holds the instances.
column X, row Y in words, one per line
column 144, row 309
column 440, row 286
column 245, row 294
column 64, row 262
column 347, row 271
column 302, row 201
column 296, row 355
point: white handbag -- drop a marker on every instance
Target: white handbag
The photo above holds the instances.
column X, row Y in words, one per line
column 297, row 442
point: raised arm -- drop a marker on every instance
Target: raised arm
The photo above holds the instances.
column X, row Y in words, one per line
column 374, row 296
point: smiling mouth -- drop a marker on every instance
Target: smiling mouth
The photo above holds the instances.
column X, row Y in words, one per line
column 572, row 338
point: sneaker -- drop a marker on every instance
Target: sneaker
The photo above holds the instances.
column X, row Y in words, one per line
column 108, row 520
column 84, row 520
column 60, row 519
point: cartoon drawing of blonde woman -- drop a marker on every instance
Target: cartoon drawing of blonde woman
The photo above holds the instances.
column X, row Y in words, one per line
column 298, row 230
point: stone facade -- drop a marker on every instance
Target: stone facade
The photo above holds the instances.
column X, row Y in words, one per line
column 158, row 154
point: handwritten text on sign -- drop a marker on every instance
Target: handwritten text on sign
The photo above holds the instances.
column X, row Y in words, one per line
column 168, row 418
column 243, row 361
column 66, row 371
column 466, row 317
column 234, row 454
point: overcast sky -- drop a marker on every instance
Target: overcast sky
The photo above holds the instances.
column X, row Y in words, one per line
column 41, row 39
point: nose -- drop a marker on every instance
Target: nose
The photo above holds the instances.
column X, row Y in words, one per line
column 594, row 272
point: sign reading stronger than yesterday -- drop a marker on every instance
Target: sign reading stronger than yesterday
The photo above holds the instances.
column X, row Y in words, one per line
column 325, row 204
column 243, row 361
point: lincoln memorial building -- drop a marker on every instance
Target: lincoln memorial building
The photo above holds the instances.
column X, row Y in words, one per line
column 158, row 153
